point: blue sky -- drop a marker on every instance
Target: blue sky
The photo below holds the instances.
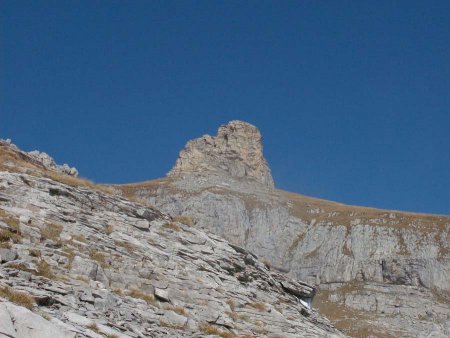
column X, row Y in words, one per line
column 352, row 97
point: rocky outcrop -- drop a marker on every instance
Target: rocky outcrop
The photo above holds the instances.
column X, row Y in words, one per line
column 355, row 255
column 34, row 158
column 236, row 151
column 91, row 264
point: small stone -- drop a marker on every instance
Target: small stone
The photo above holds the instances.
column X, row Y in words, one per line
column 142, row 224
column 25, row 219
column 162, row 295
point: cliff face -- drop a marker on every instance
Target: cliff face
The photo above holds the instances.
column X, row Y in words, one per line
column 380, row 272
column 76, row 260
column 236, row 151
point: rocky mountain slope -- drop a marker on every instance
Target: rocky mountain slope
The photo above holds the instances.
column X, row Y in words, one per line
column 77, row 260
column 380, row 273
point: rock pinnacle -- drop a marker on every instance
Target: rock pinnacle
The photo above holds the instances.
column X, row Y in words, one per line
column 236, row 151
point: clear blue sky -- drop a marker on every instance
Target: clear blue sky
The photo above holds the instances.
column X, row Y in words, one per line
column 352, row 97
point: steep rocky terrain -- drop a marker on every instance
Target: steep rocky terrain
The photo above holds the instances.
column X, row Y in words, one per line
column 76, row 260
column 380, row 273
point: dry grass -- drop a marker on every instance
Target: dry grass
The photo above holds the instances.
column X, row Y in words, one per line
column 77, row 182
column 127, row 246
column 35, row 253
column 135, row 293
column 18, row 297
column 236, row 316
column 341, row 214
column 82, row 278
column 232, row 304
column 11, row 160
column 52, row 231
column 353, row 322
column 112, row 335
column 109, row 229
column 10, row 220
column 14, row 161
column 45, row 270
column 118, row 292
column 5, row 245
column 171, row 226
column 79, row 238
column 7, row 235
column 18, row 266
column 13, row 231
column 99, row 257
column 209, row 329
column 163, row 323
column 180, row 310
column 258, row 306
column 93, row 326
column 176, row 308
column 70, row 256
column 186, row 220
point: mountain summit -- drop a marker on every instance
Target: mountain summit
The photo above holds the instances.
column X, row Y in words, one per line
column 236, row 151
column 379, row 273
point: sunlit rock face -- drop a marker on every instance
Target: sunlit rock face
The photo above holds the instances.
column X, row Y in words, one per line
column 236, row 151
column 79, row 260
column 387, row 270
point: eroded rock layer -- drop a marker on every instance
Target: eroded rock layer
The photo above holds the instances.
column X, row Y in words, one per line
column 79, row 261
column 380, row 272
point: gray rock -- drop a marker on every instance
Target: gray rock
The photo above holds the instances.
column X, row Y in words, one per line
column 162, row 295
column 29, row 325
column 235, row 151
column 6, row 324
column 142, row 224
column 89, row 269
column 323, row 243
column 7, row 255
column 169, row 273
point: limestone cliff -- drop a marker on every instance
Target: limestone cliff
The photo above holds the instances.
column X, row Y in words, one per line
column 236, row 151
column 380, row 273
column 77, row 260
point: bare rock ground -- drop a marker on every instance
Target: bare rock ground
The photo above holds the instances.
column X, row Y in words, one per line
column 79, row 261
column 380, row 273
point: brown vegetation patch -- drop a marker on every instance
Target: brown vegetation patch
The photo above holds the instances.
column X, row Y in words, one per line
column 11, row 220
column 94, row 327
column 45, row 270
column 171, row 226
column 209, row 329
column 21, row 298
column 52, row 231
column 70, row 256
column 176, row 308
column 258, row 306
column 341, row 214
column 149, row 298
column 18, row 162
column 353, row 322
column 186, row 220
column 127, row 246
column 35, row 253
column 80, row 238
column 99, row 257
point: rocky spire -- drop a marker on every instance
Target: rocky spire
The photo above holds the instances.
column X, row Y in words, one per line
column 236, row 151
